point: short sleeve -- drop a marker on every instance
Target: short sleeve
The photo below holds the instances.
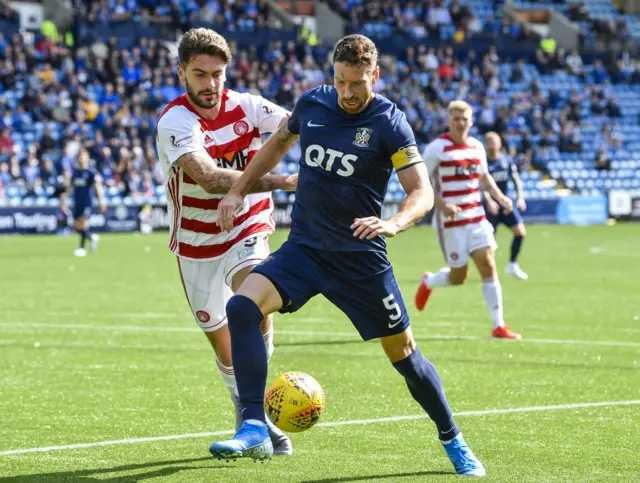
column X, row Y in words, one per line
column 178, row 134
column 431, row 158
column 294, row 121
column 401, row 144
column 268, row 115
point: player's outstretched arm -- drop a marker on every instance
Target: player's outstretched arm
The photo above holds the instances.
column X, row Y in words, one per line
column 489, row 185
column 267, row 158
column 214, row 180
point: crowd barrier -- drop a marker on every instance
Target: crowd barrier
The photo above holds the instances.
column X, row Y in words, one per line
column 577, row 210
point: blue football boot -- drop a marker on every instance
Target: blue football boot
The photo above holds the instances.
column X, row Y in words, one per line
column 251, row 441
column 463, row 459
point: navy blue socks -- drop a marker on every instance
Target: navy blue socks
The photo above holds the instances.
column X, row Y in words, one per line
column 425, row 386
column 84, row 236
column 249, row 355
column 516, row 244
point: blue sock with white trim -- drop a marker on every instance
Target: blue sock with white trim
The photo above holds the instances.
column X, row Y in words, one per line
column 425, row 386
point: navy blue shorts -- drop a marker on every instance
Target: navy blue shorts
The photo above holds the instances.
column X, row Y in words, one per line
column 373, row 303
column 81, row 211
column 512, row 219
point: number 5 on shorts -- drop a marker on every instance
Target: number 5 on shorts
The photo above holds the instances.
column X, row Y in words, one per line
column 392, row 306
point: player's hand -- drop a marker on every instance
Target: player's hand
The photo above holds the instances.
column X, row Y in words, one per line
column 492, row 206
column 506, row 204
column 230, row 205
column 371, row 227
column 521, row 204
column 290, row 182
column 451, row 211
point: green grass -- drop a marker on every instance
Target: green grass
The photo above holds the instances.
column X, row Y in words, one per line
column 88, row 356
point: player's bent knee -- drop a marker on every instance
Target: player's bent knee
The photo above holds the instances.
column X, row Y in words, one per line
column 262, row 292
column 399, row 346
column 519, row 230
column 458, row 276
column 266, row 323
column 485, row 261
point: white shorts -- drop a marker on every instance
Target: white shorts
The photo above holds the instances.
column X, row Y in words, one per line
column 459, row 242
column 207, row 283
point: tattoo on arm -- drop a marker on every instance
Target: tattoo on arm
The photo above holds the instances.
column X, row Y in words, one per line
column 214, row 180
column 285, row 136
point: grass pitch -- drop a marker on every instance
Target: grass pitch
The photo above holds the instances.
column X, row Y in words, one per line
column 102, row 353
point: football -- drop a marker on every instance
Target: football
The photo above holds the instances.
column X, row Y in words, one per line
column 294, row 402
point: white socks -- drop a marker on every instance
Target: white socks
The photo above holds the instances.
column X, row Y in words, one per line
column 268, row 342
column 492, row 292
column 439, row 279
column 229, row 377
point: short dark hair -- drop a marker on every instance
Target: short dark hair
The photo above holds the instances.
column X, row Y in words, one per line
column 203, row 41
column 356, row 50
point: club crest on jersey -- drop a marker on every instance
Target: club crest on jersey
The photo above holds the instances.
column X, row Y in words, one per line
column 363, row 134
column 240, row 128
column 203, row 316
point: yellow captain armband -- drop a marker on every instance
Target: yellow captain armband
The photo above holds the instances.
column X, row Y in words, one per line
column 405, row 157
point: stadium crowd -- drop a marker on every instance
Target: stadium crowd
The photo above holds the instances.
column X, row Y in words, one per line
column 56, row 99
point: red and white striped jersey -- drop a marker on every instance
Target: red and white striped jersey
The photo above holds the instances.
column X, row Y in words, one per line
column 455, row 170
column 232, row 139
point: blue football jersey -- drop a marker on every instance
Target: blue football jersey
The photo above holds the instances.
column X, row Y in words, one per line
column 83, row 181
column 501, row 170
column 346, row 163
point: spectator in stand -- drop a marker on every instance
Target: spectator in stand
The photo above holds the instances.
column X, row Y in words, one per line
column 613, row 109
column 5, row 175
column 574, row 64
column 6, row 143
column 603, row 163
column 599, row 73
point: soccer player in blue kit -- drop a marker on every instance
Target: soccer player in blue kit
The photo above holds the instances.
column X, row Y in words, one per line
column 502, row 169
column 84, row 180
column 351, row 139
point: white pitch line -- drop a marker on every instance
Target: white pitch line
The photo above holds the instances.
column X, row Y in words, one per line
column 161, row 328
column 482, row 412
column 613, row 253
column 110, row 315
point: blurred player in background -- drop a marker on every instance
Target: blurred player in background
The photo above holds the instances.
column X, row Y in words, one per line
column 351, row 140
column 502, row 169
column 458, row 165
column 84, row 181
column 205, row 138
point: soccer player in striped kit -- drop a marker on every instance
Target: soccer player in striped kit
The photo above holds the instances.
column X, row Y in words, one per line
column 205, row 138
column 457, row 165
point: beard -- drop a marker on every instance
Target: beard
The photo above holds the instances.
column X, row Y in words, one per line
column 361, row 104
column 197, row 100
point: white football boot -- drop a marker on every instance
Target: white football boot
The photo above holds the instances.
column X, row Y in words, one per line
column 515, row 271
column 79, row 252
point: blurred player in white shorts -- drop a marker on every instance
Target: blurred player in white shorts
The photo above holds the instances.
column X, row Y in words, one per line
column 458, row 167
column 205, row 138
